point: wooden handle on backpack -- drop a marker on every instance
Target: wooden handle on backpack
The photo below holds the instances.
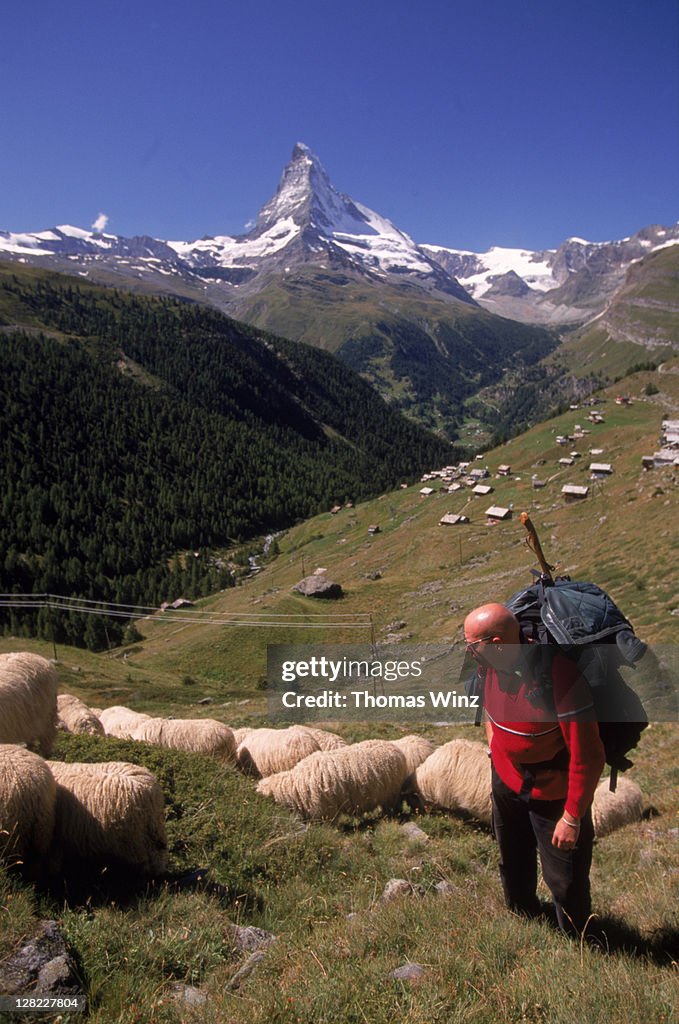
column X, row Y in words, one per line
column 533, row 543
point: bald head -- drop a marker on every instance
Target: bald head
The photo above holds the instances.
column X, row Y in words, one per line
column 494, row 621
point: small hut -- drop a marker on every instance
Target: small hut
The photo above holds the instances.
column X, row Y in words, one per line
column 498, row 514
column 573, row 492
column 451, row 519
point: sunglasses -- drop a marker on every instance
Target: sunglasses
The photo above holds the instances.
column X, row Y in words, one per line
column 472, row 645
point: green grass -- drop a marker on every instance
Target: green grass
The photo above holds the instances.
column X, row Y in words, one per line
column 302, row 882
column 622, row 537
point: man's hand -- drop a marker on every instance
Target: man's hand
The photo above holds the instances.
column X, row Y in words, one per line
column 566, row 833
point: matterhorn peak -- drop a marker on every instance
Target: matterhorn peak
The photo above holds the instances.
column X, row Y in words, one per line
column 307, row 211
column 304, row 191
column 302, row 150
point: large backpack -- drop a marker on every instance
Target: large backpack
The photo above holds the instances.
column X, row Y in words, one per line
column 584, row 623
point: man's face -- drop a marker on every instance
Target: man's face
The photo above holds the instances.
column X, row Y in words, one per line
column 493, row 652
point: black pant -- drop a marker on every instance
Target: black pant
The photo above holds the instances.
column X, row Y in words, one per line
column 523, row 828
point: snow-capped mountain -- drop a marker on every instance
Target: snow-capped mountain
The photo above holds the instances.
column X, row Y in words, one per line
column 309, row 224
column 308, row 216
column 307, row 220
column 558, row 285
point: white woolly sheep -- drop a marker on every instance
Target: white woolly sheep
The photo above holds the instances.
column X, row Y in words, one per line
column 120, row 721
column 27, row 802
column 415, row 749
column 356, row 778
column 240, row 734
column 456, row 777
column 199, row 735
column 269, row 751
column 611, row 811
column 111, row 812
column 75, row 716
column 28, row 701
column 326, row 740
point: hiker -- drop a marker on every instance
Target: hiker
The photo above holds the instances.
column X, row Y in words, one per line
column 546, row 762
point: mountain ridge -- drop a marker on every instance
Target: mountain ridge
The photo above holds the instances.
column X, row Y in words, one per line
column 426, row 325
column 308, row 217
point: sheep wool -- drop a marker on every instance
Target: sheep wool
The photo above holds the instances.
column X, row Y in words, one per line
column 121, row 722
column 27, row 803
column 326, row 740
column 610, row 811
column 198, row 735
column 75, row 716
column 112, row 812
column 456, row 777
column 28, row 701
column 355, row 778
column 266, row 752
column 240, row 734
column 415, row 749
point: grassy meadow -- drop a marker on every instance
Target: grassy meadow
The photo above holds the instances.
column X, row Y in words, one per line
column 317, row 887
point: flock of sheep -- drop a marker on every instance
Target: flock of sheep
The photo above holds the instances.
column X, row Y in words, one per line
column 52, row 812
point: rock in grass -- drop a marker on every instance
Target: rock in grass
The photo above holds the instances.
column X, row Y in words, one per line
column 44, row 960
column 319, row 586
column 397, row 887
column 250, row 938
column 189, row 995
column 408, row 972
column 414, row 831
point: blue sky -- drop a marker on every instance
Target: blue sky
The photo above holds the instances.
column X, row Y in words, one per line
column 467, row 124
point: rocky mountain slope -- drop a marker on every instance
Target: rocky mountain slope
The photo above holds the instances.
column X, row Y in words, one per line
column 428, row 326
column 565, row 285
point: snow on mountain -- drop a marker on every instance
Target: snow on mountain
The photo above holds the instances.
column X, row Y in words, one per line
column 477, row 271
column 308, row 208
column 308, row 221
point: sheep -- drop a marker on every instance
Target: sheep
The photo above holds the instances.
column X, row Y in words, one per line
column 611, row 811
column 111, row 812
column 120, row 721
column 28, row 701
column 240, row 734
column 200, row 735
column 269, row 751
column 326, row 740
column 75, row 716
column 356, row 778
column 27, row 803
column 416, row 749
column 456, row 777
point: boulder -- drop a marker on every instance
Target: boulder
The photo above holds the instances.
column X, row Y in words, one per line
column 319, row 586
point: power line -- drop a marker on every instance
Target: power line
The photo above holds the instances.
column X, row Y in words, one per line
column 86, row 606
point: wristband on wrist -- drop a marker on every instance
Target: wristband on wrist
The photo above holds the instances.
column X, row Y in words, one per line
column 571, row 824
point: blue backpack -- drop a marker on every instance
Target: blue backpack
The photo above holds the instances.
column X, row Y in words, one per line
column 585, row 624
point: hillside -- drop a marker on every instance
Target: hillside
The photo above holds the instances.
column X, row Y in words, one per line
column 136, row 430
column 640, row 323
column 424, row 354
column 622, row 537
column 416, row 579
column 319, row 267
column 639, row 327
column 145, row 953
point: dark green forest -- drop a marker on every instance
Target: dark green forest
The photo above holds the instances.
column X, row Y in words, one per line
column 135, row 430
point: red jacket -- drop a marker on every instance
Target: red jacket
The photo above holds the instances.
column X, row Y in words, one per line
column 526, row 735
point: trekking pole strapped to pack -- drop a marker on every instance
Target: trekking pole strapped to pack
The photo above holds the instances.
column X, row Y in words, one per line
column 584, row 623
